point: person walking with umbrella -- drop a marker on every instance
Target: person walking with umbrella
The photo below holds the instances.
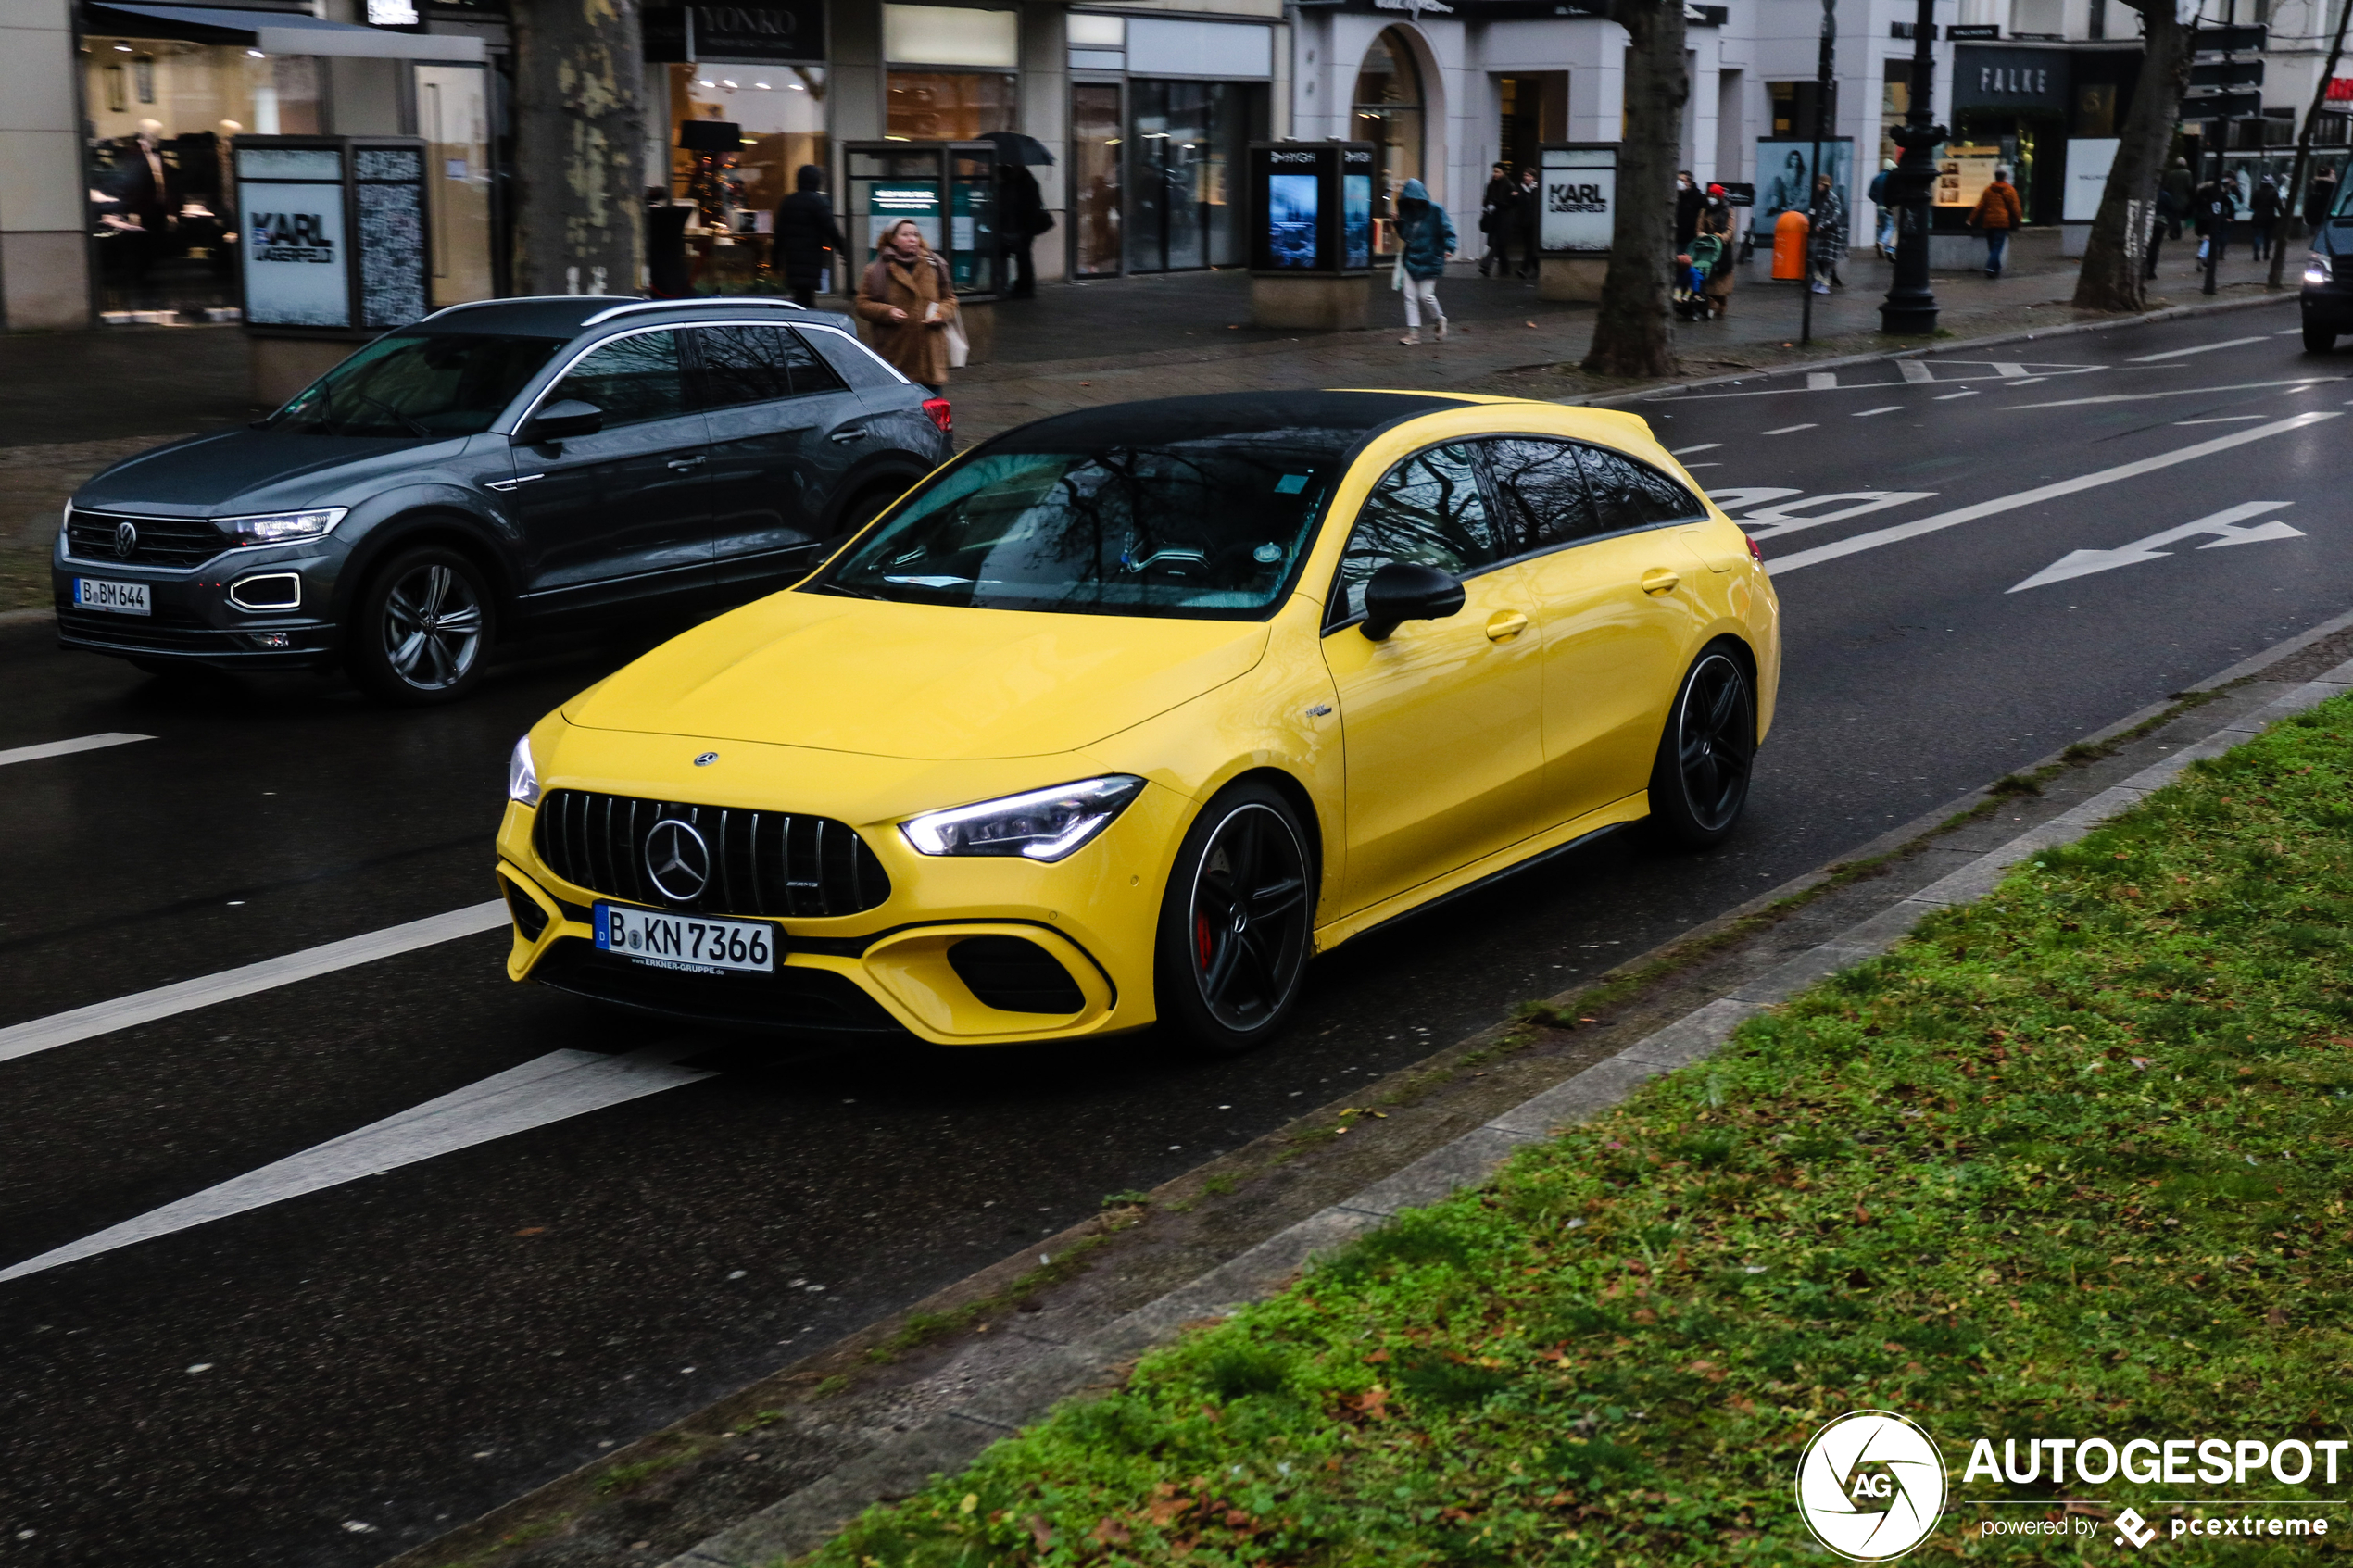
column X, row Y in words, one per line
column 808, row 241
column 1021, row 209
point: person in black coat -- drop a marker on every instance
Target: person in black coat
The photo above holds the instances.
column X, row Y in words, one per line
column 807, row 241
column 1531, row 204
column 1021, row 218
column 1498, row 220
column 1689, row 200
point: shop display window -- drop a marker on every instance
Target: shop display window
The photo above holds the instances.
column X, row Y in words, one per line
column 951, row 105
column 159, row 116
column 1095, row 144
column 1389, row 114
column 779, row 115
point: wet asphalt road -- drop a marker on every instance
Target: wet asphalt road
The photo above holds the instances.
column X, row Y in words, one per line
column 393, row 1355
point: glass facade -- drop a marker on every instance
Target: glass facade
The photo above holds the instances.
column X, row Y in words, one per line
column 1389, row 114
column 1185, row 204
column 951, row 105
column 1097, row 210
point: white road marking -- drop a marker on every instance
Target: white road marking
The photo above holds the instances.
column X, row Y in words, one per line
column 2222, row 524
column 2222, row 419
column 1820, row 381
column 2178, row 392
column 549, row 1088
column 68, row 748
column 1746, row 495
column 1915, row 370
column 2201, row 348
column 1789, row 516
column 1891, row 408
column 1950, row 396
column 145, row 1007
column 2009, row 370
column 1791, row 430
column 2292, row 332
column 1703, row 446
column 1824, row 381
column 1688, row 467
column 2038, row 495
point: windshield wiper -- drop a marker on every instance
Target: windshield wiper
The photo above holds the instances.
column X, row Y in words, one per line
column 849, row 593
column 414, row 428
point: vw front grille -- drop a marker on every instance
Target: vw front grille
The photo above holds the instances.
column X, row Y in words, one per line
column 767, row 863
column 94, row 537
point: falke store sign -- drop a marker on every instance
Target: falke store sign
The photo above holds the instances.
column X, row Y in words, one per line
column 752, row 35
column 2016, row 79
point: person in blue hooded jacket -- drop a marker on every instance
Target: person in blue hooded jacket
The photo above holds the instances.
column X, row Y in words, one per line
column 1426, row 237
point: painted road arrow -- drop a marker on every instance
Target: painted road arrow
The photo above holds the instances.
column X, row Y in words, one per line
column 2223, row 525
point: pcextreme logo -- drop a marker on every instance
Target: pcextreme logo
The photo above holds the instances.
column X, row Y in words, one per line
column 1870, row 1486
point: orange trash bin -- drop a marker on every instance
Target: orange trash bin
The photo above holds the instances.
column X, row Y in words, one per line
column 1789, row 246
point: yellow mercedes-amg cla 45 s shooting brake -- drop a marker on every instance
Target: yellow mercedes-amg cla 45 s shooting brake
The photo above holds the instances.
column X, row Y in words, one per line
column 1119, row 718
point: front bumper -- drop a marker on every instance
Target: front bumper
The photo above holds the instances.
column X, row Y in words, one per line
column 1083, row 928
column 2329, row 304
column 194, row 614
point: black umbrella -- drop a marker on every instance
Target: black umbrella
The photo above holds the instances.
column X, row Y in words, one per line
column 1014, row 147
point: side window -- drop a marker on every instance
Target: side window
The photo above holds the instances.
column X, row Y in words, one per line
column 1541, row 487
column 853, row 363
column 1427, row 508
column 744, row 365
column 1631, row 495
column 631, row 378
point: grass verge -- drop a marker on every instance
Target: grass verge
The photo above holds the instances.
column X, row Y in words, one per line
column 2073, row 1161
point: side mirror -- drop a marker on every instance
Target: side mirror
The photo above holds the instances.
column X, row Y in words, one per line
column 556, row 420
column 1403, row 591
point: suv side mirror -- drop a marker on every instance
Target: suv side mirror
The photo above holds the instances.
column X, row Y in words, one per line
column 1406, row 590
column 567, row 417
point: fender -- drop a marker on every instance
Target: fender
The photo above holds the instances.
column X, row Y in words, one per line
column 388, row 520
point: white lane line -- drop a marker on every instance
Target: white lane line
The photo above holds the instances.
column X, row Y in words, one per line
column 1820, row 381
column 2292, row 332
column 2201, row 348
column 83, row 742
column 2220, row 420
column 2180, row 392
column 1791, row 430
column 1891, row 408
column 145, row 1007
column 1950, row 396
column 2036, row 496
column 549, row 1088
column 1688, row 467
column 1711, row 445
column 1917, row 370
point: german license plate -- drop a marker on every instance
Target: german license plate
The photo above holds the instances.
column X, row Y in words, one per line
column 687, row 941
column 119, row 598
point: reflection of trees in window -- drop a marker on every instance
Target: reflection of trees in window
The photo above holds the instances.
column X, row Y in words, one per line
column 1542, row 489
column 1426, row 510
column 631, row 378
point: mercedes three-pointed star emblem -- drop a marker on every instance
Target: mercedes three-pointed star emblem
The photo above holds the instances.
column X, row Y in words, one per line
column 677, row 859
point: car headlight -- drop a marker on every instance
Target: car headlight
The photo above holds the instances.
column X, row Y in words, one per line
column 1043, row 824
column 276, row 528
column 522, row 775
column 2316, row 268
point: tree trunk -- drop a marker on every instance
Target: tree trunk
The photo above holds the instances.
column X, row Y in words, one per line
column 1631, row 332
column 2292, row 199
column 580, row 147
column 2111, row 276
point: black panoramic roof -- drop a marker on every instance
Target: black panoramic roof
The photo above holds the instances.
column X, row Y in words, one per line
column 1330, row 422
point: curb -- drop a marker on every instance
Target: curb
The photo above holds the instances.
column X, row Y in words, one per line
column 952, row 1438
column 27, row 617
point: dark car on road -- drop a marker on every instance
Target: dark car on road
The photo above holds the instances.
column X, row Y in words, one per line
column 495, row 470
column 2328, row 277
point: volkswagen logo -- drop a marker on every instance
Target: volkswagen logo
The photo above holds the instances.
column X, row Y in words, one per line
column 677, row 859
column 126, row 540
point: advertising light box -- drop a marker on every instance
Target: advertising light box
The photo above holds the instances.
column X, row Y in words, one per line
column 1579, row 188
column 1311, row 208
column 332, row 233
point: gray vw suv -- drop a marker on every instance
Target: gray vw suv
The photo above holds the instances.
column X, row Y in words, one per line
column 495, row 470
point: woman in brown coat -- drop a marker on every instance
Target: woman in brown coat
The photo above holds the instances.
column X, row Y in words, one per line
column 908, row 300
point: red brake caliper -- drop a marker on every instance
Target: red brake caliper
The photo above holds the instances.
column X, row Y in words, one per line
column 1202, row 938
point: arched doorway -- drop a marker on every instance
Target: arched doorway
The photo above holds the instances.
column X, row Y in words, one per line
column 1388, row 113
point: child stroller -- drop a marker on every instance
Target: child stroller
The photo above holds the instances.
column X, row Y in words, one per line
column 1690, row 277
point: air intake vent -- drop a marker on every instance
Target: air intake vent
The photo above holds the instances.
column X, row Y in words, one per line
column 1013, row 975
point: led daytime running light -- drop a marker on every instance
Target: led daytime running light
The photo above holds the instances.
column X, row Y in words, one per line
column 1041, row 824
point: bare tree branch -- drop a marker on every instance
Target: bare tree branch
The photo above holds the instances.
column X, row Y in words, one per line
column 2112, row 259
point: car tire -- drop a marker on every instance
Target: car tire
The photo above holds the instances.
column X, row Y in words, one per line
column 421, row 628
column 1699, row 784
column 1236, row 923
column 2319, row 340
column 865, row 507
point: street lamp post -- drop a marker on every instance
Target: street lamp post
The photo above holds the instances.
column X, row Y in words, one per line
column 1910, row 306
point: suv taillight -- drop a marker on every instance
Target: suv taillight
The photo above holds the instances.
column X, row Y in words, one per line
column 940, row 415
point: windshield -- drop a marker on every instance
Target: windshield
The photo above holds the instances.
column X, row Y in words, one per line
column 418, row 385
column 1207, row 528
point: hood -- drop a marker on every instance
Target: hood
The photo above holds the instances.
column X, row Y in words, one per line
column 251, row 470
column 922, row 681
column 1413, row 191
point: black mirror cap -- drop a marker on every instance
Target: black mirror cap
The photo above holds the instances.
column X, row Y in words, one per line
column 567, row 417
column 1406, row 590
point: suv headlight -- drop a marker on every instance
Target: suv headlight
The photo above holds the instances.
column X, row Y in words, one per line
column 2316, row 268
column 522, row 775
column 276, row 528
column 1043, row 824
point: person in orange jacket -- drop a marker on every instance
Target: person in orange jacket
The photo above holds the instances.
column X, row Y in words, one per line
column 1997, row 213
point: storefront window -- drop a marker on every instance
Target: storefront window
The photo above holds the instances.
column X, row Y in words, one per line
column 1095, row 143
column 453, row 115
column 949, row 106
column 1389, row 115
column 1189, row 139
column 779, row 115
column 160, row 116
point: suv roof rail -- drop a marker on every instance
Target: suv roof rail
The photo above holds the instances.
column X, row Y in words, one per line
column 511, row 299
column 721, row 302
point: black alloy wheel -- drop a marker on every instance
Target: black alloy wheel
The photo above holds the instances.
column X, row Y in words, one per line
column 1236, row 921
column 424, row 628
column 1700, row 782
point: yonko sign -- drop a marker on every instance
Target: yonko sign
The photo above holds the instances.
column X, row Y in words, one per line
column 1871, row 1487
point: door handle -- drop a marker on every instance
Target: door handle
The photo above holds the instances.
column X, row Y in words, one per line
column 848, row 436
column 1660, row 580
column 679, row 465
column 1506, row 624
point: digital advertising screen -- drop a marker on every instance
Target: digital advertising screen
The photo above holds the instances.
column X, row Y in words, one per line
column 1356, row 218
column 1293, row 211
